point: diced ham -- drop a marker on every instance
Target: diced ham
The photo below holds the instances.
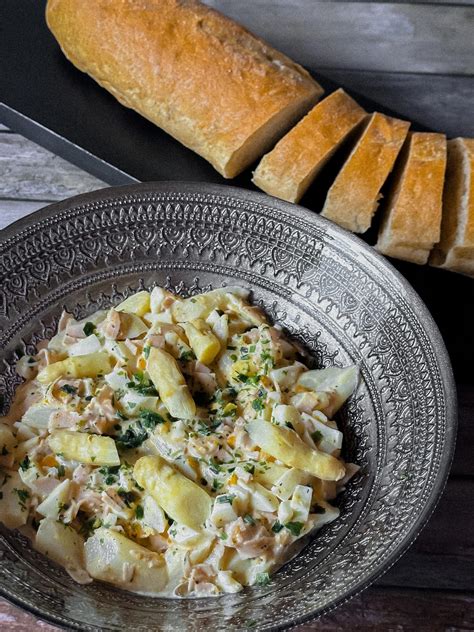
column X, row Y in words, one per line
column 249, row 540
column 81, row 474
column 64, row 419
column 111, row 325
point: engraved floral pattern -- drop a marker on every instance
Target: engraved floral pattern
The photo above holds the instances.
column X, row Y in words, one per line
column 329, row 292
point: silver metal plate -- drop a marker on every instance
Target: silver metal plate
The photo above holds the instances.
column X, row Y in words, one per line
column 330, row 291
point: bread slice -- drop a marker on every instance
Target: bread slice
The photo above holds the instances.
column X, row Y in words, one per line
column 195, row 73
column 412, row 219
column 289, row 169
column 354, row 196
column 455, row 251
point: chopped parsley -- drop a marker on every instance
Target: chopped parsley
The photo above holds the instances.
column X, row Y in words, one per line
column 277, row 526
column 139, row 512
column 67, row 388
column 88, row 328
column 146, row 351
column 207, row 430
column 127, row 497
column 216, row 484
column 294, row 527
column 262, row 579
column 187, row 355
column 316, row 436
column 61, row 470
column 133, row 437
column 227, row 498
column 142, row 384
column 23, row 496
column 258, row 405
column 139, row 431
column 110, row 473
column 150, row 419
column 88, row 526
column 25, row 464
column 250, row 468
column 248, row 519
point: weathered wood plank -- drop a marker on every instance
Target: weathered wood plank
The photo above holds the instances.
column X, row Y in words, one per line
column 442, row 557
column 442, row 103
column 32, row 173
column 363, row 35
column 15, row 620
column 11, row 210
column 379, row 609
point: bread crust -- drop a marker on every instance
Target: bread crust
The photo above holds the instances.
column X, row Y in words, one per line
column 412, row 218
column 198, row 75
column 289, row 169
column 455, row 250
column 355, row 193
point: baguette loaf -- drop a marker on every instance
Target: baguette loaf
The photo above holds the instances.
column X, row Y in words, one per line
column 412, row 219
column 455, row 251
column 354, row 196
column 201, row 77
column 288, row 170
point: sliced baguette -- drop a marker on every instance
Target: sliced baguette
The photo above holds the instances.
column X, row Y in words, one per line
column 455, row 251
column 354, row 196
column 195, row 73
column 289, row 169
column 412, row 218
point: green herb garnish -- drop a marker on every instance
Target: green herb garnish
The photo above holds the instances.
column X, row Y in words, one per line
column 277, row 526
column 227, row 498
column 67, row 388
column 139, row 512
column 25, row 464
column 187, row 356
column 88, row 328
column 150, row 419
column 142, row 384
column 316, row 436
column 110, row 473
column 294, row 528
column 248, row 519
column 262, row 579
column 23, row 496
column 127, row 497
column 258, row 405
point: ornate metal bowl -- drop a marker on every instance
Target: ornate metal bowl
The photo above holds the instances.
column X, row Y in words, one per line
column 330, row 291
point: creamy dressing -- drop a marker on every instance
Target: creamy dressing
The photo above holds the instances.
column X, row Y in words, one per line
column 173, row 447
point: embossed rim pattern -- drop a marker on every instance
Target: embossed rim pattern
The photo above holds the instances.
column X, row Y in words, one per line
column 307, row 273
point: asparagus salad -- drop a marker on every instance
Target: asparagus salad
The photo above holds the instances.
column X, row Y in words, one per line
column 172, row 446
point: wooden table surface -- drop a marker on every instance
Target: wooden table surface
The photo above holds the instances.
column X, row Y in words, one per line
column 418, row 59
